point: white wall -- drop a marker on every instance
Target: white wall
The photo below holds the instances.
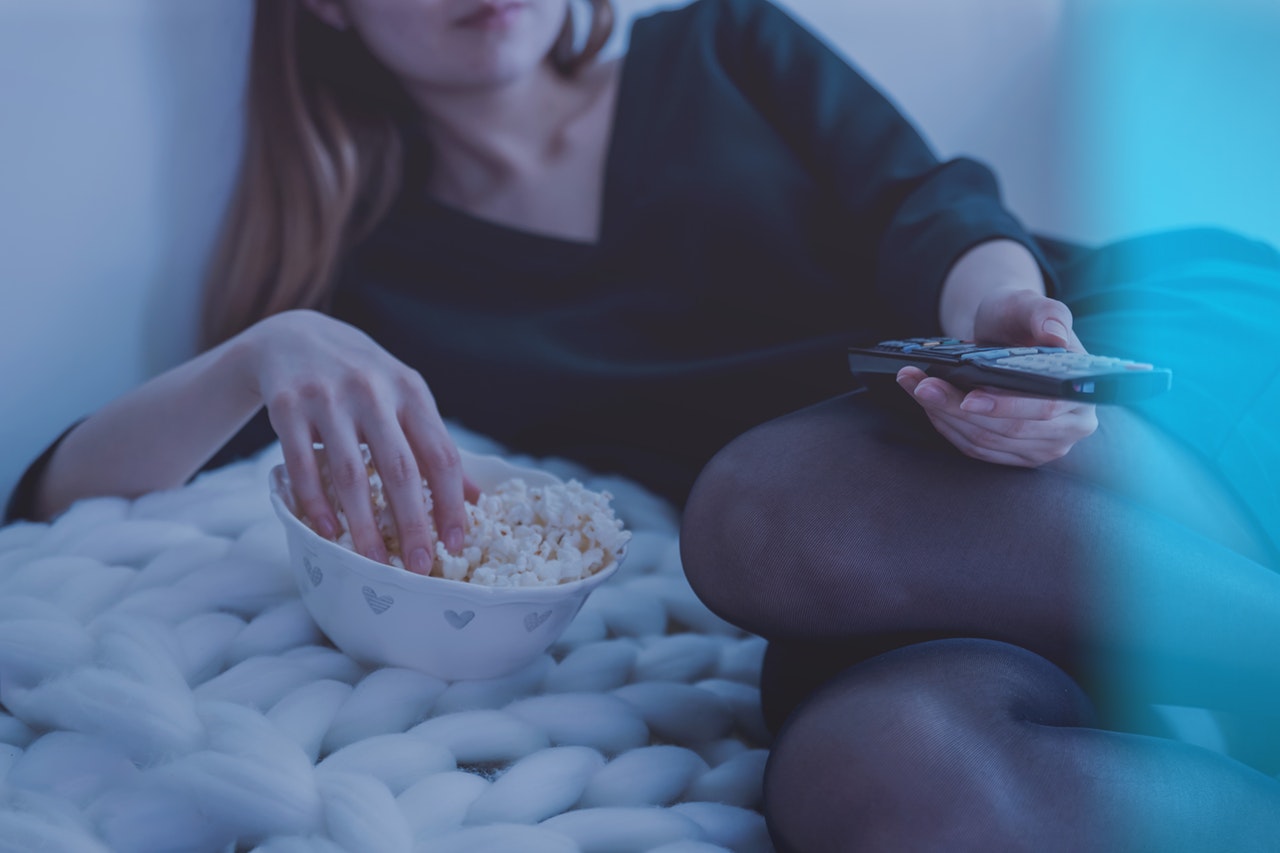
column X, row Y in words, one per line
column 121, row 132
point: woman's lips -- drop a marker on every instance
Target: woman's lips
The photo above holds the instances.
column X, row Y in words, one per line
column 492, row 15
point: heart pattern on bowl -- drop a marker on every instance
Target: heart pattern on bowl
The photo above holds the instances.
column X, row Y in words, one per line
column 459, row 620
column 535, row 619
column 313, row 571
column 377, row 603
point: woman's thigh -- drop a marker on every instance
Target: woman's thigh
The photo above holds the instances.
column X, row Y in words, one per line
column 857, row 505
column 852, row 494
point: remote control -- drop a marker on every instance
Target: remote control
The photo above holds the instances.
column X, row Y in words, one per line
column 1043, row 371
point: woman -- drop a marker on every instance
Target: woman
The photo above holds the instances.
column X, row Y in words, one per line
column 634, row 262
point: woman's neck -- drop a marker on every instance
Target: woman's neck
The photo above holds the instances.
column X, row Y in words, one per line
column 484, row 140
column 531, row 156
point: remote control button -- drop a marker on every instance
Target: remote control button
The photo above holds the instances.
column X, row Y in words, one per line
column 1023, row 350
column 1015, row 361
column 1139, row 365
column 985, row 355
column 1060, row 363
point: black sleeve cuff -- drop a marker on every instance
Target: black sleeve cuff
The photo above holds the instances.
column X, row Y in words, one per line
column 932, row 232
column 22, row 503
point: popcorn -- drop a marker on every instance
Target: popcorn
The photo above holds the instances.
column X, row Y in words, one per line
column 514, row 536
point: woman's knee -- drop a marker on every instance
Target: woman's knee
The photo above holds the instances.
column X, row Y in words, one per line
column 800, row 513
column 726, row 522
column 927, row 747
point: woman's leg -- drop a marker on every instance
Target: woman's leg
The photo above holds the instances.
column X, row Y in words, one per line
column 851, row 528
column 974, row 745
column 1205, row 303
column 852, row 519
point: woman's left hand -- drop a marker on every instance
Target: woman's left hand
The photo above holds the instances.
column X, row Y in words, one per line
column 1004, row 427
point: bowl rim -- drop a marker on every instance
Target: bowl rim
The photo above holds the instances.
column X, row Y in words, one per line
column 381, row 573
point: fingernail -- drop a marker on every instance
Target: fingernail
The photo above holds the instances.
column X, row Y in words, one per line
column 1055, row 327
column 420, row 561
column 453, row 540
column 326, row 529
column 929, row 394
column 978, row 405
column 378, row 554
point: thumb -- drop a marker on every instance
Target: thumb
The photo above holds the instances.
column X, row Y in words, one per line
column 1051, row 325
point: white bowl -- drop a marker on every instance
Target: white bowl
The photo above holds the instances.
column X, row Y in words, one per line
column 382, row 615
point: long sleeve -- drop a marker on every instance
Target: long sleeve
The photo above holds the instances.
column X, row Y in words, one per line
column 922, row 214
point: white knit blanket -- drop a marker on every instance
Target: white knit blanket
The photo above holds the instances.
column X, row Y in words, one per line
column 164, row 689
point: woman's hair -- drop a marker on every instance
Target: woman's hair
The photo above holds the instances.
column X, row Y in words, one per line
column 323, row 161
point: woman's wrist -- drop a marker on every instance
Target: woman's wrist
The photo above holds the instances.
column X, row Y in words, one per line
column 240, row 356
column 987, row 269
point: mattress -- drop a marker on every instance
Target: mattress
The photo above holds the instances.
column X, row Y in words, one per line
column 162, row 688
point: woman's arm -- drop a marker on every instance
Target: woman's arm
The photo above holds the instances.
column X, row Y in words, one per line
column 946, row 251
column 913, row 217
column 321, row 380
column 155, row 437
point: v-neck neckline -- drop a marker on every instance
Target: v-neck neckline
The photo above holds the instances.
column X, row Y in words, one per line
column 623, row 117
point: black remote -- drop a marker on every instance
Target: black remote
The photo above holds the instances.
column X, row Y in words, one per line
column 1043, row 371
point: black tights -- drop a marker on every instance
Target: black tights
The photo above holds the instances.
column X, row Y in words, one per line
column 953, row 644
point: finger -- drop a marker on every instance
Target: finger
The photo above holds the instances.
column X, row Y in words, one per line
column 994, row 403
column 1070, row 427
column 1029, row 419
column 1031, row 442
column 470, row 490
column 351, row 483
column 1029, row 449
column 948, row 430
column 304, row 473
column 1000, row 411
column 441, row 465
column 909, row 377
column 402, row 485
column 929, row 391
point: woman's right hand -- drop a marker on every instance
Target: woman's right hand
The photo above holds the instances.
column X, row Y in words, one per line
column 325, row 381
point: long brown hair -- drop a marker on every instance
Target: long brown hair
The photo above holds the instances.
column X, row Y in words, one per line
column 323, row 161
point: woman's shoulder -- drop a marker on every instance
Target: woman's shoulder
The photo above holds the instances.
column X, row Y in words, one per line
column 724, row 26
column 728, row 10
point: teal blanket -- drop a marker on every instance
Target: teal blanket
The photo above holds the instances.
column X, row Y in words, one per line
column 1205, row 303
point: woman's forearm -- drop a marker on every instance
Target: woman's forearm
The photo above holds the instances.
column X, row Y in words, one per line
column 984, row 269
column 156, row 436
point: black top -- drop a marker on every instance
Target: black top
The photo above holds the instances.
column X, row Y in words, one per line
column 764, row 206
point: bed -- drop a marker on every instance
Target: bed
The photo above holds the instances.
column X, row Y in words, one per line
column 164, row 689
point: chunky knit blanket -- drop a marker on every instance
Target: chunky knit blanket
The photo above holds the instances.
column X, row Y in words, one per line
column 162, row 688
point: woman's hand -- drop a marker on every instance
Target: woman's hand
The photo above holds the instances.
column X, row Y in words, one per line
column 1000, row 426
column 325, row 381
